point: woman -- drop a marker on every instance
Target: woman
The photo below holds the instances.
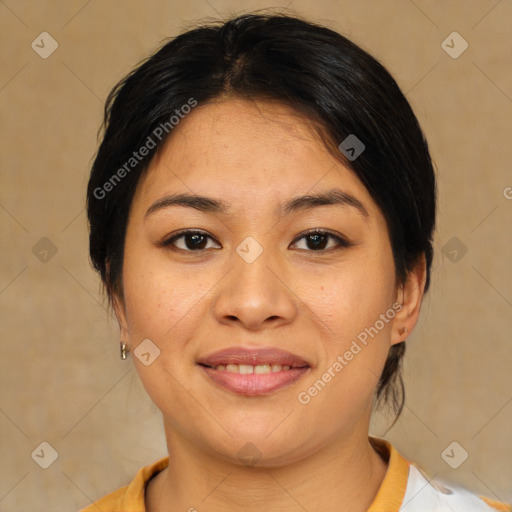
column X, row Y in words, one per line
column 261, row 214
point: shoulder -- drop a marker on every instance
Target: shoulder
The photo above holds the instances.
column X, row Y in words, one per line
column 408, row 488
column 437, row 495
column 110, row 502
column 130, row 498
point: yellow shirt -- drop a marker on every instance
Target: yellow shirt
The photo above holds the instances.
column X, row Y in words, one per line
column 405, row 488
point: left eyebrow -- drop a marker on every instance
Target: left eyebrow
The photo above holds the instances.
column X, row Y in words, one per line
column 211, row 205
column 329, row 197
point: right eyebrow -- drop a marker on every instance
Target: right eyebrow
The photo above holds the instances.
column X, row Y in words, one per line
column 201, row 203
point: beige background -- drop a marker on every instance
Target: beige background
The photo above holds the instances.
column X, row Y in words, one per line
column 61, row 378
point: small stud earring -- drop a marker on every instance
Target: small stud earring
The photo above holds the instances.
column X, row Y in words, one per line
column 124, row 351
column 404, row 331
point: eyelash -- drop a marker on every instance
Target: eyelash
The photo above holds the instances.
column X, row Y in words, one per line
column 341, row 242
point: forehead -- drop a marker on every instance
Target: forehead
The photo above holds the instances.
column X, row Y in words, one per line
column 248, row 150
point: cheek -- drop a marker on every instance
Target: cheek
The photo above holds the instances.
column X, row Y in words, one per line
column 351, row 297
column 162, row 306
column 355, row 306
column 158, row 296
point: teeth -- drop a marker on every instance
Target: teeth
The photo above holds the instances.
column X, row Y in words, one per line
column 262, row 368
column 245, row 369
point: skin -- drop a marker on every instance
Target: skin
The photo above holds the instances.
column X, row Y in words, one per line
column 311, row 302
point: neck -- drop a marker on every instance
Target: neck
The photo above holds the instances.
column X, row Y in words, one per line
column 344, row 475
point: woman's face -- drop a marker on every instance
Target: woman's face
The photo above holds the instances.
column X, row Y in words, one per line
column 252, row 278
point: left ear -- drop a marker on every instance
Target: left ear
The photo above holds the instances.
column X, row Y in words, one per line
column 409, row 296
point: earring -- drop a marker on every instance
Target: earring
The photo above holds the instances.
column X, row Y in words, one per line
column 124, row 351
column 404, row 331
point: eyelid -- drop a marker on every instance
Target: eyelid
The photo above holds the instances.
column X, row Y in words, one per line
column 341, row 241
column 169, row 240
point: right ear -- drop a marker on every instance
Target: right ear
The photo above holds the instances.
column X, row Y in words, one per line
column 120, row 313
column 119, row 309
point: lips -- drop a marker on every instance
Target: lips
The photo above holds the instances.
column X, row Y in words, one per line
column 253, row 372
column 253, row 357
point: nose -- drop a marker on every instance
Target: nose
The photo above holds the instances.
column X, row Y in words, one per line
column 255, row 294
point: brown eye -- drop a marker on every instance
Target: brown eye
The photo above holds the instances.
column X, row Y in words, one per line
column 318, row 240
column 190, row 240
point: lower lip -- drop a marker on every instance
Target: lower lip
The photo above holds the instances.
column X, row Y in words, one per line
column 254, row 384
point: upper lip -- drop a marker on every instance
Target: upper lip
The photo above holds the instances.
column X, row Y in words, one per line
column 254, row 357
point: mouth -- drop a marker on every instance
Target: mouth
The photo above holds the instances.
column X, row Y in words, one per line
column 253, row 372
